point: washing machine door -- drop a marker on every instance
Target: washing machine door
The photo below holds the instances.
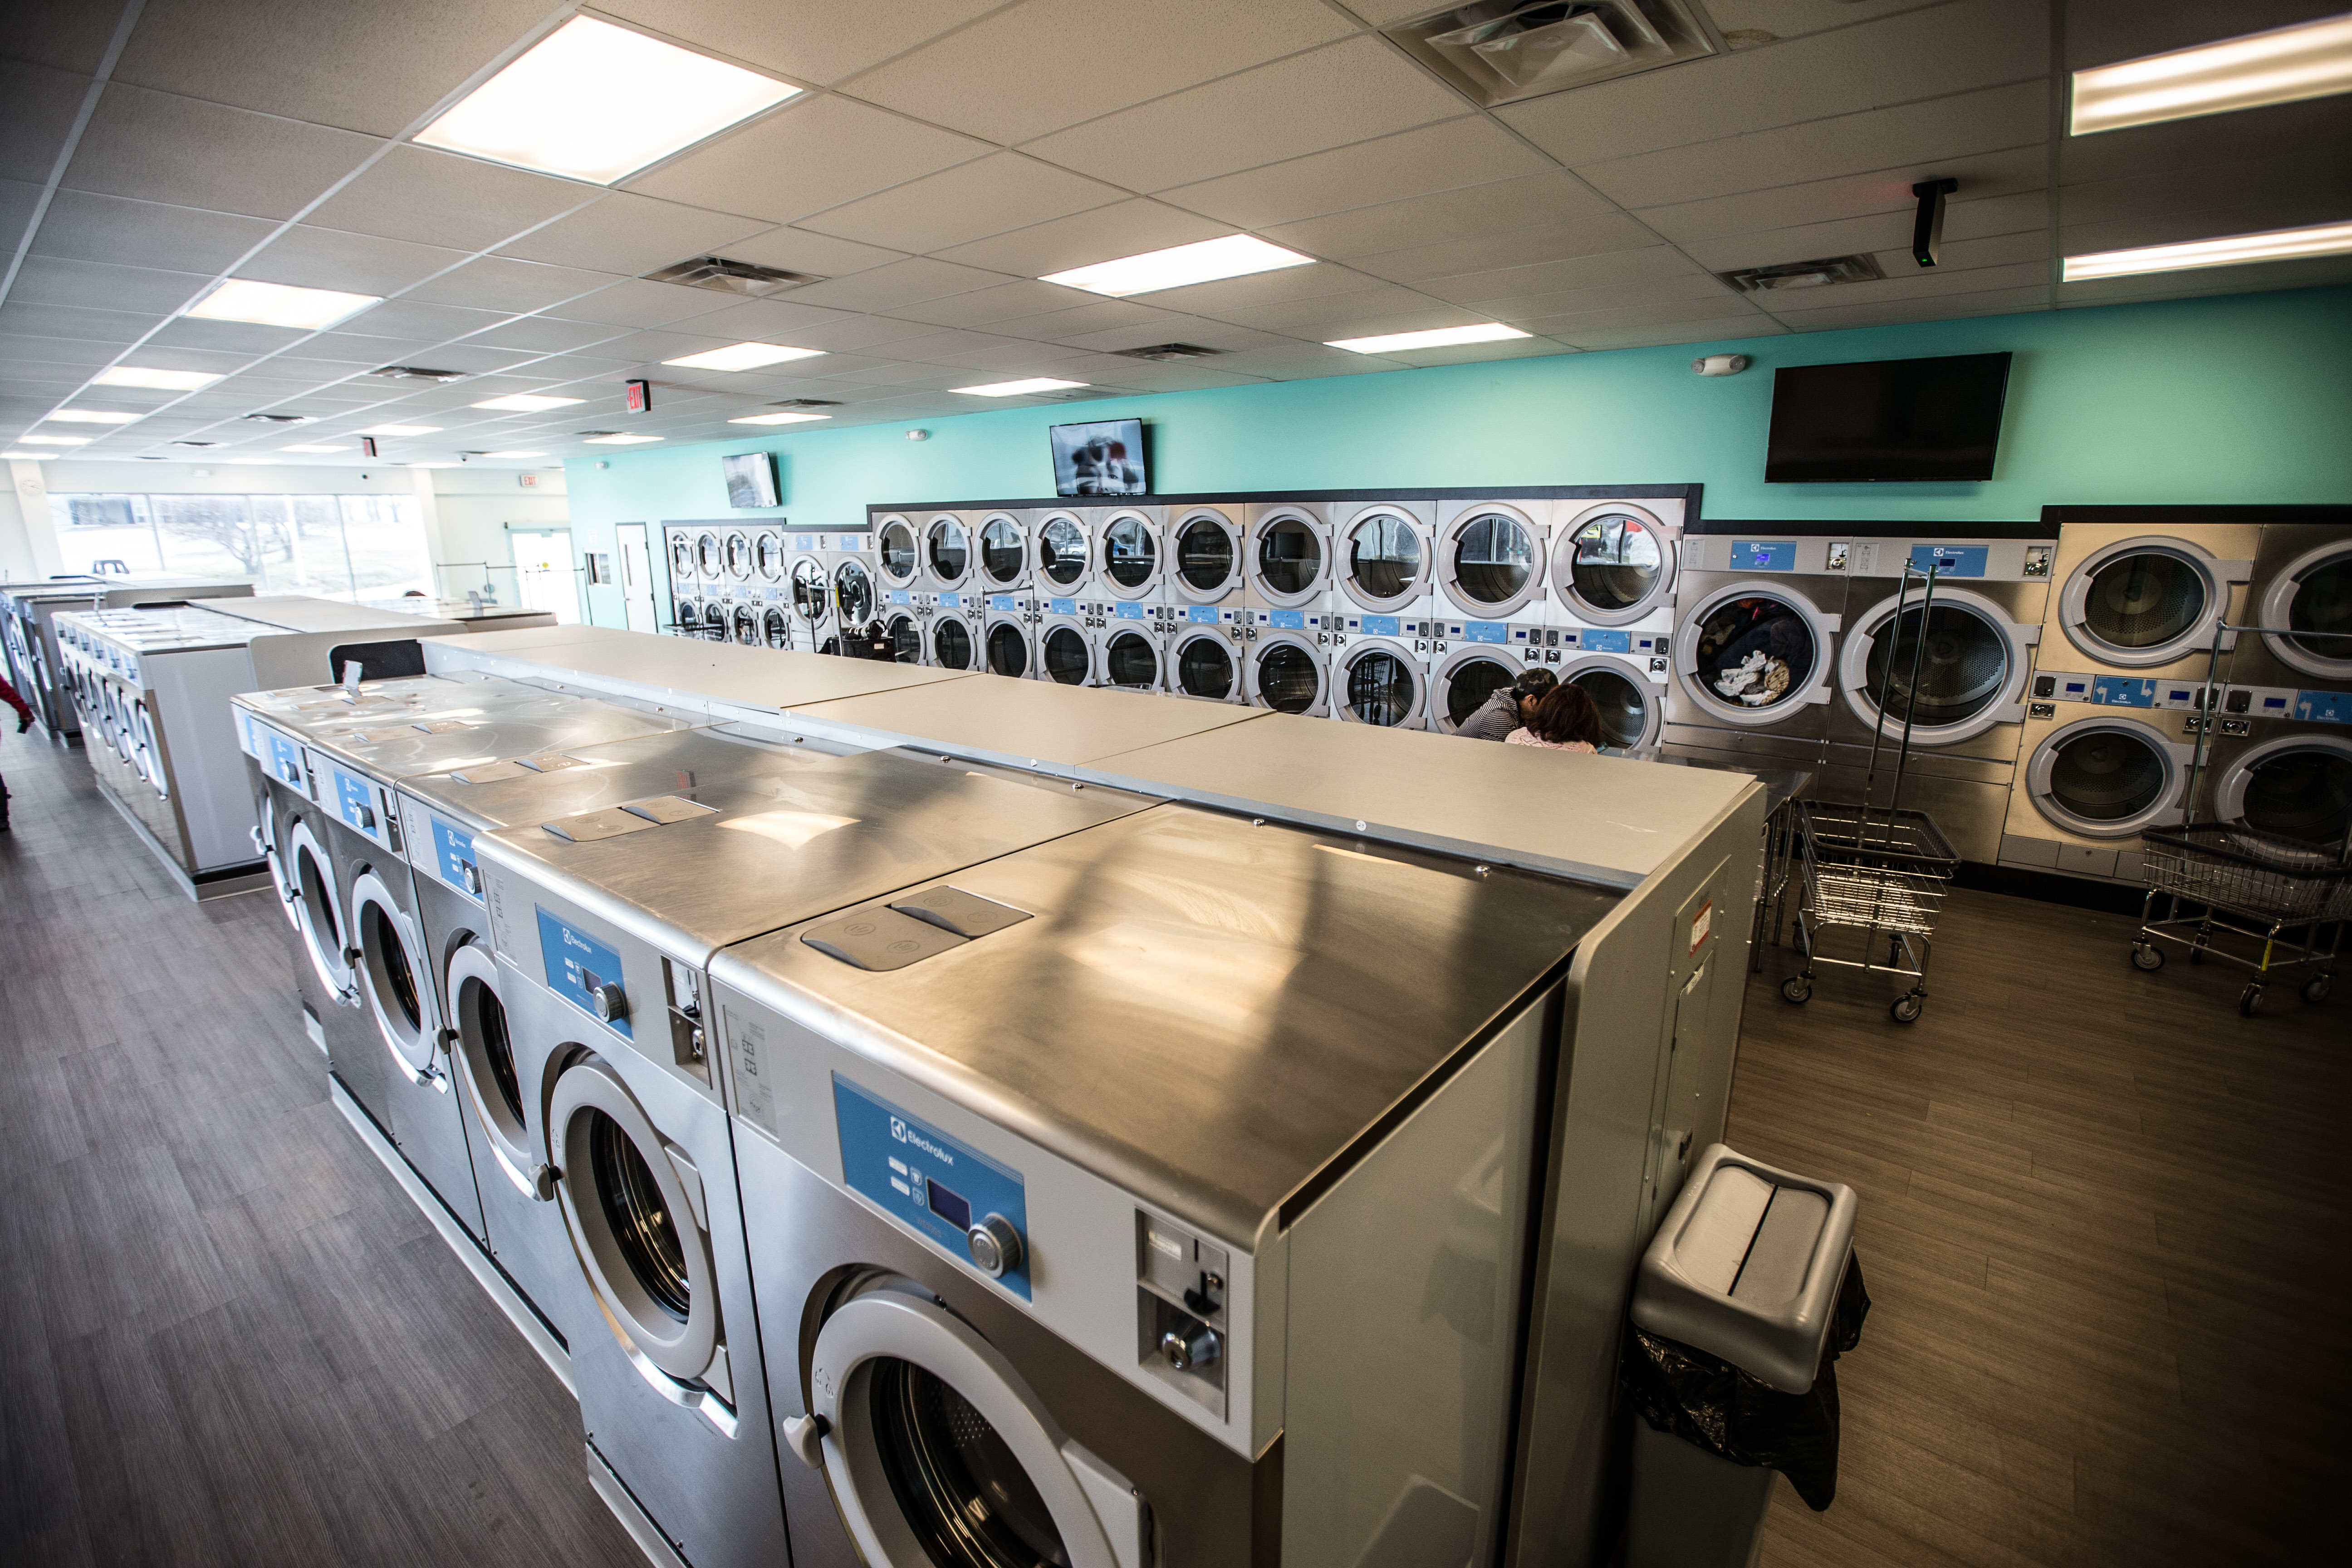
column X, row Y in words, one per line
column 1131, row 660
column 1007, row 644
column 393, row 980
column 709, row 555
column 946, row 549
column 2143, row 602
column 1287, row 673
column 2106, row 778
column 737, row 553
column 940, row 1455
column 637, row 1209
column 2299, row 786
column 1066, row 654
column 1131, row 560
column 906, row 638
column 1062, row 550
column 1462, row 681
column 312, row 874
column 747, row 625
column 1379, row 683
column 1205, row 552
column 1384, row 557
column 264, row 839
column 1490, row 562
column 1752, row 652
column 1290, row 557
column 812, row 594
column 681, row 557
column 1970, row 673
column 689, row 618
column 2313, row 595
column 1614, row 564
column 1004, row 551
column 1632, row 710
column 951, row 644
column 1202, row 665
column 897, row 557
column 483, row 1052
column 714, row 621
column 852, row 593
column 767, row 556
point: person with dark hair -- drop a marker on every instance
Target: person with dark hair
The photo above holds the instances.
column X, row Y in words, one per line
column 1508, row 708
column 1567, row 720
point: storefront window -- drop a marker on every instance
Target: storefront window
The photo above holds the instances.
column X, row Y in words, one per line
column 332, row 547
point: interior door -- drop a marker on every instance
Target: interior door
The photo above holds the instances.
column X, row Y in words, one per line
column 637, row 577
column 544, row 573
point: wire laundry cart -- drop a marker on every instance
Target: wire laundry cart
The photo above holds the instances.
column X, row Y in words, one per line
column 2249, row 884
column 1873, row 881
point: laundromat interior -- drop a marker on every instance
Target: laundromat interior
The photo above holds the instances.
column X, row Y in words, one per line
column 775, row 792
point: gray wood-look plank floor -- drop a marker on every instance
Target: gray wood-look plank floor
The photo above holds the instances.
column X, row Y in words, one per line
column 2104, row 1221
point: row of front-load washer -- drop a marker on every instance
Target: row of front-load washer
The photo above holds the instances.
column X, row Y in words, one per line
column 697, row 1038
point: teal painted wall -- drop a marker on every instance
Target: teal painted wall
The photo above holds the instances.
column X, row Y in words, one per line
column 2240, row 399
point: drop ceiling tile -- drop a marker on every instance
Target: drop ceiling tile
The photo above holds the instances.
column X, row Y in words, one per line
column 1008, row 77
column 2319, row 132
column 937, row 377
column 634, row 302
column 96, row 284
column 1794, row 19
column 811, row 41
column 355, row 263
column 907, row 282
column 1105, row 233
column 1102, row 315
column 1199, row 330
column 1941, row 129
column 1304, row 366
column 82, row 226
column 501, row 283
column 1728, row 329
column 432, row 323
column 1307, row 317
column 1653, row 262
column 30, row 320
column 467, row 356
column 631, row 234
column 579, row 366
column 1308, row 103
column 374, row 348
column 653, row 347
column 1575, row 326
column 1186, row 378
column 1017, row 359
column 1214, row 299
column 229, row 337
column 1518, row 310
column 1890, row 312
column 42, row 104
column 63, row 37
column 2016, row 171
column 1469, row 213
column 936, row 345
column 1430, row 158
column 2276, row 193
column 1480, row 353
column 35, row 358
column 1552, row 243
column 2028, row 211
column 17, row 200
column 1967, row 255
column 806, row 157
column 439, row 198
column 763, row 321
column 1792, row 304
column 819, row 255
column 1004, row 191
column 845, row 334
column 1006, row 302
column 1897, row 59
column 154, row 147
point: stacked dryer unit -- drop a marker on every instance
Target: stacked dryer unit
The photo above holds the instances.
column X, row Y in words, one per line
column 1006, row 583
column 1289, row 617
column 2280, row 752
column 1611, row 599
column 1491, row 614
column 1758, row 609
column 1066, row 640
column 1205, row 601
column 1128, row 609
column 899, row 577
column 1383, row 627
column 2119, row 687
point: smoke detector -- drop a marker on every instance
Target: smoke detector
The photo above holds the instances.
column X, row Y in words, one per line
column 417, row 373
column 1494, row 51
column 730, row 277
column 1168, row 352
column 1803, row 274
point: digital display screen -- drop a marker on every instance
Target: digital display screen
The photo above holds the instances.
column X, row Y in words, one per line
column 1100, row 460
column 948, row 1206
column 751, row 479
column 1911, row 419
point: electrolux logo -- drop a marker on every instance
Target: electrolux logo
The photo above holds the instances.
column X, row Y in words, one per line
column 573, row 939
column 905, row 1134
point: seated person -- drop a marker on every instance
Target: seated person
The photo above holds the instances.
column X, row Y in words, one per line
column 1567, row 720
column 1508, row 708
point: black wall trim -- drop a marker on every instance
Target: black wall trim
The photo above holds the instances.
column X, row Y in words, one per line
column 1688, row 494
column 2164, row 514
column 1873, row 528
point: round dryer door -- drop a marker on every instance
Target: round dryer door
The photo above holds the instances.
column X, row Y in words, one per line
column 1614, row 564
column 2299, row 786
column 2139, row 603
column 689, row 618
column 265, row 838
column 1007, row 646
column 484, row 1053
column 1062, row 552
column 940, row 1455
column 897, row 557
column 1205, row 551
column 636, row 1217
column 312, row 876
column 812, row 598
column 1290, row 560
column 1965, row 677
column 1066, row 654
column 1632, row 710
column 714, row 621
column 392, row 977
column 2313, row 595
column 947, row 550
column 1490, row 562
column 1379, row 682
column 767, row 556
column 1202, row 665
column 681, row 557
column 1287, row 674
column 775, row 630
column 710, row 554
column 1003, row 551
column 1130, row 555
column 1751, row 653
column 951, row 645
column 1131, row 660
column 738, row 557
column 852, row 593
column 747, row 625
column 2106, row 778
column 906, row 638
column 1386, row 560
column 1464, row 681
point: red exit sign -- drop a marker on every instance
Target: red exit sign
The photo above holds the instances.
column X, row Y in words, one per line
column 640, row 395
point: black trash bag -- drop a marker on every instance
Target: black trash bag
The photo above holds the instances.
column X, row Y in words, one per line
column 1713, row 1404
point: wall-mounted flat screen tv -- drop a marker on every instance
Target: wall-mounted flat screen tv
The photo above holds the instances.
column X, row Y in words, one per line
column 1100, row 460
column 751, row 479
column 1891, row 419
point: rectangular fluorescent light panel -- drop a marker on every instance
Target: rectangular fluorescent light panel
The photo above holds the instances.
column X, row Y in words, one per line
column 2231, row 250
column 55, row 440
column 596, row 102
column 154, row 380
column 2312, row 59
column 1015, row 388
column 743, row 356
column 526, row 403
column 402, row 431
column 619, row 440
column 1437, row 337
column 26, row 457
column 89, row 416
column 777, row 418
column 1236, row 256
column 279, row 304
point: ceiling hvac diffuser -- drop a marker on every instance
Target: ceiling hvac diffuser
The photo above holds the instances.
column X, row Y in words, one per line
column 1167, row 353
column 730, row 277
column 417, row 373
column 1803, row 274
column 1498, row 52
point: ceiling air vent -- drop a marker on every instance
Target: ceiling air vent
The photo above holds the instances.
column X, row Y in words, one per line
column 731, row 277
column 593, row 433
column 417, row 372
column 1165, row 351
column 1803, row 274
column 279, row 418
column 1498, row 52
column 195, row 443
column 806, row 403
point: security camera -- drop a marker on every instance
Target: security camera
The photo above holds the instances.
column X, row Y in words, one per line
column 1720, row 364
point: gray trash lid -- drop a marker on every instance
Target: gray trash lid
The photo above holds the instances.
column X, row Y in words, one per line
column 1746, row 1267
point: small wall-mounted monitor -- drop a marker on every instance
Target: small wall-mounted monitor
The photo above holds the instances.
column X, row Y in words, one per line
column 1915, row 419
column 1100, row 460
column 751, row 479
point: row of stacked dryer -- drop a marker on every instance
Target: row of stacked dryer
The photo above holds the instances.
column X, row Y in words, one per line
column 1394, row 608
column 767, row 585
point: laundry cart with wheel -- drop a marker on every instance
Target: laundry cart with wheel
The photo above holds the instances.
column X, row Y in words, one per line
column 1874, row 882
column 2222, row 881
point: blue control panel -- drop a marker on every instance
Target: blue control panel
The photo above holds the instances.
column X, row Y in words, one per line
column 284, row 761
column 1380, row 625
column 1201, row 615
column 1128, row 610
column 896, row 596
column 1002, row 602
column 453, row 859
column 1060, row 606
column 1949, row 560
column 1763, row 555
column 2324, row 707
column 575, row 961
column 950, row 601
column 1287, row 620
column 939, row 1186
column 1597, row 641
column 355, row 804
column 1485, row 631
column 2122, row 691
column 806, row 541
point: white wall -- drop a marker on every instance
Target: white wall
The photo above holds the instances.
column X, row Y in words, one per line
column 474, row 506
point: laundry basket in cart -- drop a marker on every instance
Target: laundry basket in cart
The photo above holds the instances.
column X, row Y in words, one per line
column 1874, row 882
column 2219, row 880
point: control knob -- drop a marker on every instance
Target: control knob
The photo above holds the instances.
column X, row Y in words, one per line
column 610, row 1006
column 995, row 1245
